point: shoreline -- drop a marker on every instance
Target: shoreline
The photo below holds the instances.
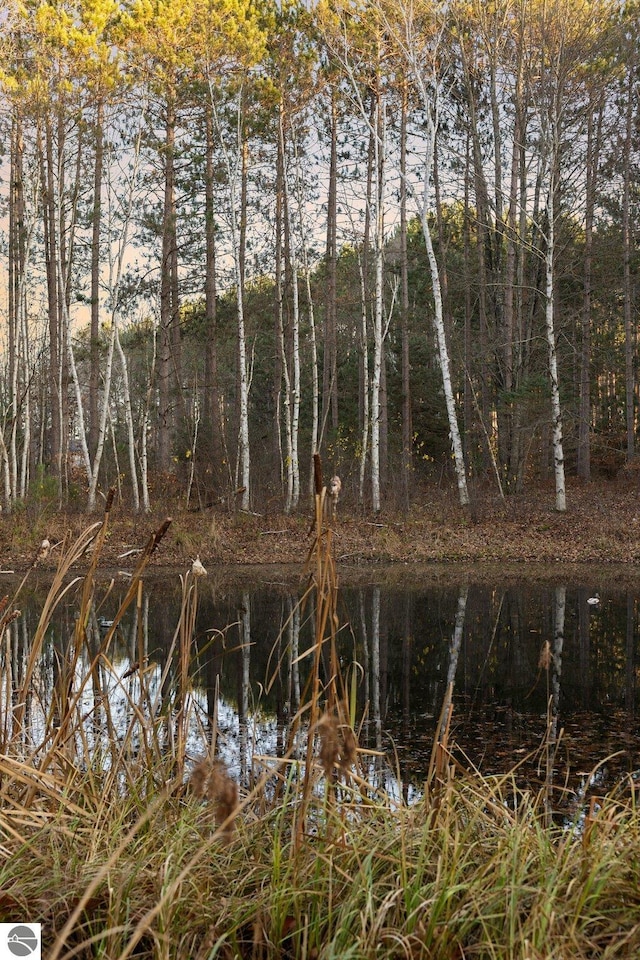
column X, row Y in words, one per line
column 522, row 534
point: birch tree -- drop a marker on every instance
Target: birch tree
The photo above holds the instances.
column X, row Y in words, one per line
column 120, row 205
column 301, row 203
column 562, row 39
column 379, row 330
column 357, row 44
column 416, row 31
column 292, row 60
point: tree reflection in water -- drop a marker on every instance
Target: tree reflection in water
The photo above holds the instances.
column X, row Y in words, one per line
column 406, row 644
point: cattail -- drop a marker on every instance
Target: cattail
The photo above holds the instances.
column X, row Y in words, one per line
column 349, row 752
column 544, row 661
column 338, row 744
column 43, row 551
column 333, row 490
column 329, row 742
column 210, row 781
column 7, row 617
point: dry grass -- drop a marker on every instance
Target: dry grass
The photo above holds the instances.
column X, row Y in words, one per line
column 122, row 848
column 601, row 525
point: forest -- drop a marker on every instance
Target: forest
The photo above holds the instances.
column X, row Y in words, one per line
column 400, row 233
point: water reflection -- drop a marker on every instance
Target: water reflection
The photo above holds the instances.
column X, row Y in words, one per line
column 526, row 665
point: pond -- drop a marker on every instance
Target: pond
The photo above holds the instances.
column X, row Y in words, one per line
column 533, row 656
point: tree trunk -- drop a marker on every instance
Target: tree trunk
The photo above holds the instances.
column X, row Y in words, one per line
column 329, row 368
column 584, row 416
column 94, row 351
column 51, row 258
column 291, row 270
column 237, row 169
column 239, row 239
column 378, row 321
column 131, row 445
column 628, row 245
column 212, row 411
column 17, row 266
column 166, row 410
column 407, row 424
column 289, row 354
column 315, row 384
column 438, row 318
column 556, row 410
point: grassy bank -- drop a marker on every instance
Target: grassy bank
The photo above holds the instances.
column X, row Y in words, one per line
column 461, row 875
column 601, row 525
column 124, row 842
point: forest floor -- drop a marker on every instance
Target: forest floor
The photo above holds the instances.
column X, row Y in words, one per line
column 601, row 526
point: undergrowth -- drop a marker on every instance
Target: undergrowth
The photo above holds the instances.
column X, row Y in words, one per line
column 123, row 845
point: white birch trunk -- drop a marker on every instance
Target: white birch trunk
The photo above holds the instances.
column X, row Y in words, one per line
column 6, row 473
column 366, row 418
column 245, row 456
column 14, row 408
column 315, row 402
column 67, row 344
column 288, row 461
column 144, row 464
column 282, row 212
column 291, row 377
column 128, row 413
column 25, row 352
column 295, row 347
column 438, row 317
column 315, row 381
column 115, row 277
column 379, row 162
column 26, row 440
column 556, row 410
column 144, row 433
column 94, row 469
column 421, row 62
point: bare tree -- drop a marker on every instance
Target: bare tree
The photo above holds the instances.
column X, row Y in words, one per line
column 418, row 43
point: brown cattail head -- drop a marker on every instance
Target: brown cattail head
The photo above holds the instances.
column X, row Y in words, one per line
column 210, row 781
column 156, row 537
column 7, row 617
column 317, row 473
column 338, row 744
column 329, row 742
column 349, row 752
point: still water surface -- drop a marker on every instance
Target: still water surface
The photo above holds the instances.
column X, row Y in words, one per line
column 407, row 634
